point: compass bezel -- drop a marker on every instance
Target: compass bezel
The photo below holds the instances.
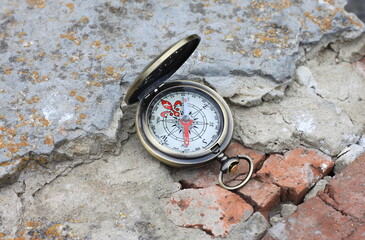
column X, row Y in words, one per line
column 174, row 158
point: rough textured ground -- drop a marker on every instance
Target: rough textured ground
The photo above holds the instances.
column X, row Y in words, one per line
column 70, row 168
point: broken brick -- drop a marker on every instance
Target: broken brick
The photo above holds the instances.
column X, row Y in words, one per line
column 202, row 177
column 314, row 219
column 263, row 196
column 346, row 191
column 213, row 209
column 236, row 148
column 358, row 234
column 295, row 172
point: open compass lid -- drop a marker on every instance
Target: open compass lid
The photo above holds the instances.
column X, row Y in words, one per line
column 162, row 68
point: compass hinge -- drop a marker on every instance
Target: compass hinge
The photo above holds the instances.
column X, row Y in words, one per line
column 154, row 92
column 216, row 149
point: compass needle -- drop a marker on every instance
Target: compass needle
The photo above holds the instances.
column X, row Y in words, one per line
column 186, row 105
column 186, row 124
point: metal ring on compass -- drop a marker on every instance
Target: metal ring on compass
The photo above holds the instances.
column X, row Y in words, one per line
column 244, row 181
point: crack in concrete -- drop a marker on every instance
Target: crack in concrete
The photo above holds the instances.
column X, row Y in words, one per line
column 22, row 202
column 65, row 151
column 21, row 198
column 286, row 121
column 200, row 227
column 183, row 226
column 62, row 173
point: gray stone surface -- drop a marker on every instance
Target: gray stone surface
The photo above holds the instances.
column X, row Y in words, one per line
column 287, row 209
column 340, row 83
column 253, row 229
column 319, row 110
column 320, row 186
column 305, row 77
column 362, row 141
column 349, row 52
column 275, row 219
column 284, row 210
column 11, row 210
column 347, row 156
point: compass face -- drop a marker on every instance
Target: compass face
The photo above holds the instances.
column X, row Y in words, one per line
column 185, row 120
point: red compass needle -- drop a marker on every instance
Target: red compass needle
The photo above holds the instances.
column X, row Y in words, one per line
column 186, row 126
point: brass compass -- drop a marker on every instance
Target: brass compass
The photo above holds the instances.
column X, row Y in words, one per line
column 183, row 123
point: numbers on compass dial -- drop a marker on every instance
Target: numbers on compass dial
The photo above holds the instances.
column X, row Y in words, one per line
column 185, row 121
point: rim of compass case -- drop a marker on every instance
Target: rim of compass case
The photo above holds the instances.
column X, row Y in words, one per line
column 161, row 68
column 170, row 157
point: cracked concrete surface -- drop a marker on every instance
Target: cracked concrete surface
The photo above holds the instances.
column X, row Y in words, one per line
column 71, row 168
column 89, row 198
column 71, row 57
column 323, row 109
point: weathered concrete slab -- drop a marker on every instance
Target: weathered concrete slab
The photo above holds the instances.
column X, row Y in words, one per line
column 323, row 109
column 116, row 198
column 62, row 62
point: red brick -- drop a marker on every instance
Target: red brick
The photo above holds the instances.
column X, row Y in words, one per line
column 236, row 148
column 359, row 233
column 263, row 196
column 213, row 210
column 202, row 177
column 346, row 191
column 295, row 172
column 313, row 220
column 207, row 175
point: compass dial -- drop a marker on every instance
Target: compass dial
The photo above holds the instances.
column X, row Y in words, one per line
column 185, row 120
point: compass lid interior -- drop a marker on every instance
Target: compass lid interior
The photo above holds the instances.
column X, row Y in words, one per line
column 162, row 68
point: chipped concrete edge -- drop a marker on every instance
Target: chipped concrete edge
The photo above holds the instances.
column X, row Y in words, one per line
column 85, row 147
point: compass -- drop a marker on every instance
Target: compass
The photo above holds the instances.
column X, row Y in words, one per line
column 183, row 123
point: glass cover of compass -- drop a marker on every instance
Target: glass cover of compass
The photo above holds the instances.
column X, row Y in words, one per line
column 185, row 120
